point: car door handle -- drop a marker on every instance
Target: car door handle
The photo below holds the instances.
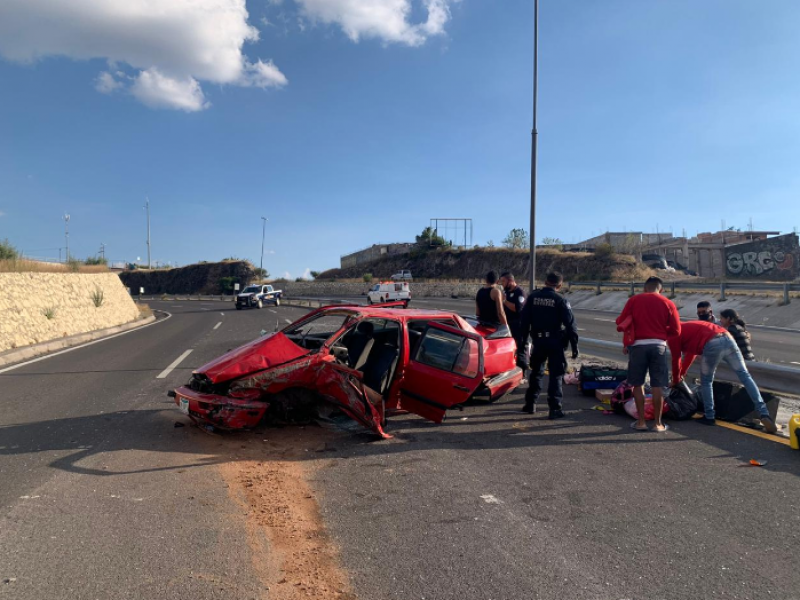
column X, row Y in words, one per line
column 460, row 387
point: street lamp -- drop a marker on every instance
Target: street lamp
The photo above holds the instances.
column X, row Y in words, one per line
column 263, row 234
column 66, row 232
column 534, row 136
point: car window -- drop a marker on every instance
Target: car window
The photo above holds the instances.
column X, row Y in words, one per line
column 376, row 288
column 320, row 327
column 251, row 289
column 448, row 352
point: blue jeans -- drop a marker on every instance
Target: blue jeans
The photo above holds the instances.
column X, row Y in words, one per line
column 724, row 348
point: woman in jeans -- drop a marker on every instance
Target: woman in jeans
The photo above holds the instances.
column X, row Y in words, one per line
column 714, row 345
column 731, row 321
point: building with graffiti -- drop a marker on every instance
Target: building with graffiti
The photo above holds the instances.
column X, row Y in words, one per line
column 776, row 258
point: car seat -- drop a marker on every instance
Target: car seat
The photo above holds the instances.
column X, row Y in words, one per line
column 379, row 367
column 360, row 344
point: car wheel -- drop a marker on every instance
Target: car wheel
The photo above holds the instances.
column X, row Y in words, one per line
column 369, row 300
column 277, row 301
column 238, row 307
column 259, row 304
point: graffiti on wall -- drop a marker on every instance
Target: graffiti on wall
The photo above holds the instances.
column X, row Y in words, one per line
column 774, row 258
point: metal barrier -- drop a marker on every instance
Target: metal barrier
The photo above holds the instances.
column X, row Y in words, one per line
column 724, row 286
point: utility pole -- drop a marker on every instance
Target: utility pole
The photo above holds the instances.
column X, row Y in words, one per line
column 102, row 250
column 66, row 233
column 534, row 136
column 147, row 208
column 263, row 234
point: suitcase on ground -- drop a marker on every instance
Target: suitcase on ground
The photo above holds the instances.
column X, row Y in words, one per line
column 600, row 377
column 733, row 403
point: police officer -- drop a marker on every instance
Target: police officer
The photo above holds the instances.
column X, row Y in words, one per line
column 512, row 304
column 547, row 318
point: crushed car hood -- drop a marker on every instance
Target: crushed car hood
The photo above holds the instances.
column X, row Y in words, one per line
column 267, row 351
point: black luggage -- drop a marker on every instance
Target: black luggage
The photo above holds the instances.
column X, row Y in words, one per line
column 682, row 402
column 733, row 403
column 600, row 377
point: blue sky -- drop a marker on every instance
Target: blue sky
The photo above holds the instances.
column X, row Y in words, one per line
column 349, row 122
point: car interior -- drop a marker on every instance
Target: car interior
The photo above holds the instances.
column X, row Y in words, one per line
column 373, row 347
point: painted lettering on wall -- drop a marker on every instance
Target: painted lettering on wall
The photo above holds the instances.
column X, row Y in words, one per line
column 774, row 258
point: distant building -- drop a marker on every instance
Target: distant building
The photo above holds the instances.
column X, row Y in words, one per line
column 374, row 252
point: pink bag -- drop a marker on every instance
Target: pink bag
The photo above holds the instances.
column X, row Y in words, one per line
column 649, row 411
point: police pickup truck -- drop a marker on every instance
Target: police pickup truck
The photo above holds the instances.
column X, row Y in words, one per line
column 256, row 296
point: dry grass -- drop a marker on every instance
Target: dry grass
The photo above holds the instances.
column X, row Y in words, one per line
column 32, row 266
column 144, row 310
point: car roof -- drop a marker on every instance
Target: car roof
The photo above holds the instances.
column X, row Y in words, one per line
column 402, row 314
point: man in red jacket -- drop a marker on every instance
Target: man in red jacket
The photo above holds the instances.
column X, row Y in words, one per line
column 655, row 323
column 715, row 344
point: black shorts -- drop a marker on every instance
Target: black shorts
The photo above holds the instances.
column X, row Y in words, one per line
column 650, row 358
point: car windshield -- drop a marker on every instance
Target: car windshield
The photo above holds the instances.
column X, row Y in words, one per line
column 376, row 288
column 313, row 333
column 251, row 289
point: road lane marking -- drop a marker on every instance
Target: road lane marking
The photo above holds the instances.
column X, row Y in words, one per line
column 217, row 325
column 756, row 432
column 289, row 321
column 173, row 364
column 274, row 312
column 176, row 305
column 92, row 343
column 604, row 320
column 490, row 499
column 223, row 314
column 795, row 363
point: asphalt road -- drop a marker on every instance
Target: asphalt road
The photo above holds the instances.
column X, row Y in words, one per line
column 102, row 497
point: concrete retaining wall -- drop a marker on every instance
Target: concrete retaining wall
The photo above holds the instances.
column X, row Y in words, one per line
column 28, row 298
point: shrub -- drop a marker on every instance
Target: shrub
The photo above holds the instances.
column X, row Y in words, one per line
column 299, row 279
column 95, row 260
column 314, row 274
column 604, row 251
column 226, row 284
column 74, row 265
column 8, row 251
column 367, row 277
column 98, row 297
column 49, row 312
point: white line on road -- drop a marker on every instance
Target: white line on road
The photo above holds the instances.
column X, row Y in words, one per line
column 174, row 364
column 490, row 499
column 223, row 314
column 217, row 325
column 274, row 312
column 604, row 320
column 795, row 363
column 176, row 305
column 289, row 321
column 92, row 343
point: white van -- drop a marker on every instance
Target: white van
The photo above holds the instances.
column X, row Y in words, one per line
column 389, row 291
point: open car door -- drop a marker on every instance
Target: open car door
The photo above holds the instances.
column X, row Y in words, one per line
column 445, row 369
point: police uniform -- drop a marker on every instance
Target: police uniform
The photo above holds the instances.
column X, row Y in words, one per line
column 514, row 318
column 547, row 318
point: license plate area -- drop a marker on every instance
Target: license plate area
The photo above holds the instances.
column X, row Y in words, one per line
column 183, row 405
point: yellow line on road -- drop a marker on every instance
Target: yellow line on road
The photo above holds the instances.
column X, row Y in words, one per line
column 755, row 432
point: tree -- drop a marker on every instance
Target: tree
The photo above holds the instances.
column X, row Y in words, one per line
column 314, row 274
column 7, row 251
column 95, row 260
column 261, row 273
column 490, row 244
column 517, row 239
column 429, row 237
column 555, row 243
column 367, row 277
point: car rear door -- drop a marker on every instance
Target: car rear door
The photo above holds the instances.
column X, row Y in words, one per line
column 444, row 370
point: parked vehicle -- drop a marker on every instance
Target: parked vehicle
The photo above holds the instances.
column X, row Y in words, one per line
column 256, row 296
column 389, row 291
column 402, row 275
column 365, row 362
column 655, row 261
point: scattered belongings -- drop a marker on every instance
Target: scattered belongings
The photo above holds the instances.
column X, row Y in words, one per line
column 594, row 377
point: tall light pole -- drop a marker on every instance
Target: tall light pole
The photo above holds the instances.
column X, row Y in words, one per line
column 66, row 232
column 147, row 208
column 102, row 250
column 263, row 235
column 534, row 136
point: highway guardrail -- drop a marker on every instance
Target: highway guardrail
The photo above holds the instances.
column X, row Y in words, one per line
column 673, row 286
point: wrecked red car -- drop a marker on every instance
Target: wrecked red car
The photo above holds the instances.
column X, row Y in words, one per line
column 365, row 362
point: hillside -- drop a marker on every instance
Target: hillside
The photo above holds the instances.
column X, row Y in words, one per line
column 202, row 278
column 474, row 264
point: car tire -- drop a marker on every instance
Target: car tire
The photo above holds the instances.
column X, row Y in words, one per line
column 278, row 301
column 369, row 300
column 259, row 304
column 238, row 307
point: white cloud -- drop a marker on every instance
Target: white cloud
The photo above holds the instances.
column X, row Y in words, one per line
column 306, row 274
column 383, row 19
column 173, row 45
column 106, row 83
column 157, row 90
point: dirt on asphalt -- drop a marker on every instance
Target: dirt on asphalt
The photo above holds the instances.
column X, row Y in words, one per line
column 292, row 553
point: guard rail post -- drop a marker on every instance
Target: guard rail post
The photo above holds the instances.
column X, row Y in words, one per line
column 722, row 292
column 672, row 289
column 597, row 291
column 786, row 298
column 633, row 289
